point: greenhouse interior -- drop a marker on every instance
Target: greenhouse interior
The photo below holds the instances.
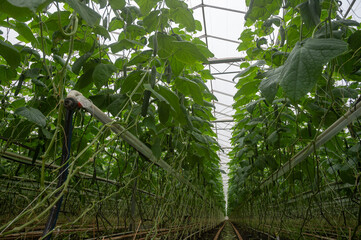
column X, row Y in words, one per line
column 180, row 119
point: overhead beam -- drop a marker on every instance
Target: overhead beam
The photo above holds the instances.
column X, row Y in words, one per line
column 220, row 8
column 223, row 140
column 219, row 38
column 226, row 94
column 222, row 120
column 349, row 9
column 223, row 135
column 204, row 22
column 224, row 105
column 220, row 113
column 224, row 80
column 226, row 60
column 233, row 72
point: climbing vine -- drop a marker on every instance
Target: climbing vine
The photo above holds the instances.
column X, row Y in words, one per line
column 139, row 63
column 302, row 74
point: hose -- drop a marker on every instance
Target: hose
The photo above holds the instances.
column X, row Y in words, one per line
column 70, row 105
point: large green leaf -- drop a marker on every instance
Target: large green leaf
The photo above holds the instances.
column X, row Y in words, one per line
column 148, row 87
column 173, row 4
column 7, row 74
column 117, row 105
column 133, row 31
column 165, row 44
column 115, row 24
column 247, row 37
column 19, row 13
column 195, row 92
column 272, row 20
column 269, row 85
column 117, row 4
column 304, row 65
column 168, row 101
column 10, row 53
column 347, row 174
column 248, row 78
column 130, row 13
column 131, row 81
column 142, row 57
column 85, row 79
column 30, row 4
column 146, row 5
column 152, row 21
column 88, row 14
column 52, row 23
column 262, row 9
column 188, row 52
column 176, row 67
column 170, row 96
column 189, row 88
column 249, row 69
column 102, row 73
column 173, row 101
column 185, row 17
column 205, row 51
column 123, row 45
column 32, row 114
column 31, row 52
column 354, row 40
column 79, row 62
column 247, row 89
column 310, row 12
column 102, row 32
column 25, row 32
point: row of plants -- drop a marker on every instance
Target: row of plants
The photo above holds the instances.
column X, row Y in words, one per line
column 301, row 75
column 140, row 64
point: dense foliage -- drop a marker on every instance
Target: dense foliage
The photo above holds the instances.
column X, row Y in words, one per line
column 138, row 63
column 302, row 74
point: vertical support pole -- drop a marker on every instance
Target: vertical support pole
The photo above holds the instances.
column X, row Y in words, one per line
column 70, row 106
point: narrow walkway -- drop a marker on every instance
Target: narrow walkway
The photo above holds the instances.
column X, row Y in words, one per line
column 228, row 233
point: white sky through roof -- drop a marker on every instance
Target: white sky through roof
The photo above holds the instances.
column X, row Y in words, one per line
column 223, row 28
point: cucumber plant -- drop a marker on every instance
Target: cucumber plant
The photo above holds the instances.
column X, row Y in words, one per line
column 138, row 62
column 301, row 75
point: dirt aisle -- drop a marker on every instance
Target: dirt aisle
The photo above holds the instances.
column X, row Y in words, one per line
column 228, row 233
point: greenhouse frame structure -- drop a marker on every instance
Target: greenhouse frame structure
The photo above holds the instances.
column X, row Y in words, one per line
column 138, row 120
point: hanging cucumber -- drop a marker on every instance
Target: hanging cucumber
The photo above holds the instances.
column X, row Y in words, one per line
column 153, row 75
column 147, row 93
column 155, row 46
column 20, row 84
column 168, row 73
column 283, row 36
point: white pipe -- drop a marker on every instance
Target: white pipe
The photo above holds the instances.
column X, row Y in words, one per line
column 128, row 137
column 329, row 133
